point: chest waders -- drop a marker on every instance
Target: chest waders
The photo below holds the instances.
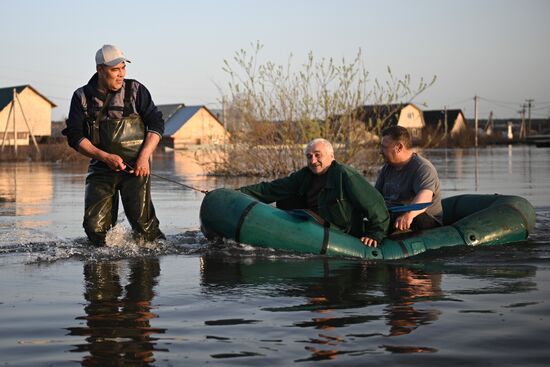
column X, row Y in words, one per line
column 123, row 136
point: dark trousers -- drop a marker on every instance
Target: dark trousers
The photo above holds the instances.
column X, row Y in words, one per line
column 103, row 187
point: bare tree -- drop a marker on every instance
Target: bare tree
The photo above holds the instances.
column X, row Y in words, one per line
column 276, row 109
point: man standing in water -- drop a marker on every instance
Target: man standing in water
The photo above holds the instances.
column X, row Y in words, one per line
column 407, row 178
column 335, row 192
column 114, row 122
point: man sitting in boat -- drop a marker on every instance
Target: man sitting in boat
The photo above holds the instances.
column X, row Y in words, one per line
column 335, row 192
column 405, row 179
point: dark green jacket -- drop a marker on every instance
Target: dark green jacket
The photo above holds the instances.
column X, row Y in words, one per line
column 344, row 202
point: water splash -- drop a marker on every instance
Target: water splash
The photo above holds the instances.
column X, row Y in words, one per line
column 120, row 244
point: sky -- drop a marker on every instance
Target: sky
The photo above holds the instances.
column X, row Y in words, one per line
column 498, row 50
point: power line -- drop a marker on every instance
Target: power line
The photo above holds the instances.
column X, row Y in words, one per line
column 469, row 99
column 497, row 101
column 502, row 104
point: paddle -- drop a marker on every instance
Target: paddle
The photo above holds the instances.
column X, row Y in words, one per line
column 408, row 208
column 303, row 214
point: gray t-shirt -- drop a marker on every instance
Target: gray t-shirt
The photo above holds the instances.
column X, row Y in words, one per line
column 400, row 185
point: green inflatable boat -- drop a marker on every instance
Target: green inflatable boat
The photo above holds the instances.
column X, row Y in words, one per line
column 472, row 220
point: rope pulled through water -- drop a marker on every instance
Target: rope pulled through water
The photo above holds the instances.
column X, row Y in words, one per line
column 167, row 179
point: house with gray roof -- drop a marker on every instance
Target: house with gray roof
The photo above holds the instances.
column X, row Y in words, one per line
column 186, row 126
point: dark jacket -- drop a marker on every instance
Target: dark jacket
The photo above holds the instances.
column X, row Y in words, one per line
column 141, row 101
column 344, row 202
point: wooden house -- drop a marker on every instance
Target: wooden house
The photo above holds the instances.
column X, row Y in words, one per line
column 406, row 115
column 419, row 123
column 412, row 118
column 191, row 125
column 31, row 113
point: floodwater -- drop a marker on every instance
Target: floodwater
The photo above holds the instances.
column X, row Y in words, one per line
column 188, row 302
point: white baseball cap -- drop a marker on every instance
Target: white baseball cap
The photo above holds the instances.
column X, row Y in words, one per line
column 109, row 55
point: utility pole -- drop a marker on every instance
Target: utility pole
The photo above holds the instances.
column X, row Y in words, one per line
column 224, row 118
column 522, row 132
column 8, row 123
column 15, row 99
column 446, row 121
column 12, row 109
column 14, row 124
column 476, row 122
column 529, row 101
column 15, row 96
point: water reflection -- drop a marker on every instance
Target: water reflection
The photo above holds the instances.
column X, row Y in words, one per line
column 187, row 167
column 25, row 189
column 510, row 150
column 476, row 170
column 459, row 162
column 179, row 163
column 405, row 287
column 508, row 170
column 354, row 307
column 327, row 286
column 118, row 329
